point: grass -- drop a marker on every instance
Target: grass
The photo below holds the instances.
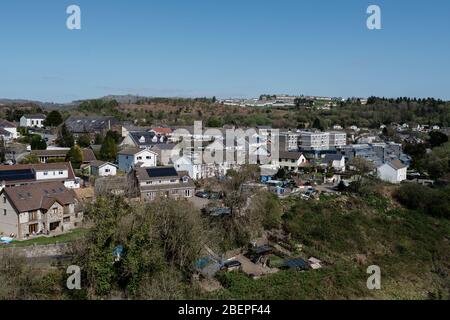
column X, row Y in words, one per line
column 64, row 238
column 411, row 248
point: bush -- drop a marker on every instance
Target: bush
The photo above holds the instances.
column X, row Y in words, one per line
column 434, row 202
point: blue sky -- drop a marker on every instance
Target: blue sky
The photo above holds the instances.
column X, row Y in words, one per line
column 232, row 48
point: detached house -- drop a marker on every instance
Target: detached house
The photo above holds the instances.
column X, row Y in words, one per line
column 336, row 161
column 32, row 121
column 131, row 158
column 163, row 182
column 27, row 174
column 43, row 209
column 392, row 171
column 8, row 130
column 100, row 168
column 291, row 161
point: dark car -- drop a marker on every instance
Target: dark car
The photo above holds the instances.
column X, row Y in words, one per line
column 217, row 211
column 215, row 196
column 202, row 194
column 231, row 265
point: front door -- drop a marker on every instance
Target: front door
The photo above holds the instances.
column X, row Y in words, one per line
column 33, row 228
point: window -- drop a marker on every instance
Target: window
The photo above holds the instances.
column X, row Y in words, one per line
column 173, row 181
column 149, row 158
column 32, row 216
column 139, row 158
column 66, row 219
column 4, row 212
column 55, row 210
column 107, row 170
column 61, row 173
column 46, row 173
column 4, row 199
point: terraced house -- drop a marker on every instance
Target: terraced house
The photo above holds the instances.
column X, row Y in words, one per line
column 43, row 209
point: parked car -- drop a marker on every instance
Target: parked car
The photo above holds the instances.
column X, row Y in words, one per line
column 232, row 265
column 215, row 196
column 202, row 194
column 217, row 211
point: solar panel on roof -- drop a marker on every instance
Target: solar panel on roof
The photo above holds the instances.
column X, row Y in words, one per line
column 13, row 175
column 162, row 172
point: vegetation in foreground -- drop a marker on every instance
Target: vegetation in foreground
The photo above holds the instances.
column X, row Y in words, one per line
column 161, row 243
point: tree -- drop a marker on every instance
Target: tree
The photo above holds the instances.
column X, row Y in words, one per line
column 75, row 156
column 84, row 141
column 160, row 244
column 437, row 139
column 37, row 143
column 114, row 135
column 317, row 124
column 65, row 138
column 99, row 139
column 53, row 119
column 214, row 122
column 108, row 151
column 30, row 159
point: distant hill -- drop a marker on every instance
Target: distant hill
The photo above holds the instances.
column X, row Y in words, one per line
column 45, row 105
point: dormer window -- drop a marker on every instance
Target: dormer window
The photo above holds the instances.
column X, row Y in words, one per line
column 185, row 179
column 142, row 139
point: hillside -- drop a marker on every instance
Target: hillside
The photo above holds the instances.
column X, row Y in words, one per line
column 349, row 234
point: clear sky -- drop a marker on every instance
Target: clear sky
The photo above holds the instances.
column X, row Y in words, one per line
column 226, row 48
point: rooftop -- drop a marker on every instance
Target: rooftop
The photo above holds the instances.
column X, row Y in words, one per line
column 39, row 196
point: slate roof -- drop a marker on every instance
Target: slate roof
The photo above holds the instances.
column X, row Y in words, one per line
column 35, row 116
column 6, row 124
column 133, row 151
column 396, row 164
column 148, row 138
column 39, row 196
column 90, row 124
column 332, row 157
column 290, row 155
column 38, row 167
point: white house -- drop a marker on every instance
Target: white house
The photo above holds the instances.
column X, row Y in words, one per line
column 393, row 171
column 291, row 161
column 8, row 130
column 128, row 159
column 103, row 169
column 337, row 162
column 24, row 174
column 32, row 121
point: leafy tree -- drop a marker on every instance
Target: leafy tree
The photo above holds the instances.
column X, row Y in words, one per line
column 84, row 141
column 99, row 139
column 160, row 243
column 65, row 138
column 75, row 156
column 53, row 119
column 437, row 139
column 435, row 202
column 108, row 151
column 317, row 124
column 214, row 122
column 37, row 143
column 30, row 159
column 114, row 135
